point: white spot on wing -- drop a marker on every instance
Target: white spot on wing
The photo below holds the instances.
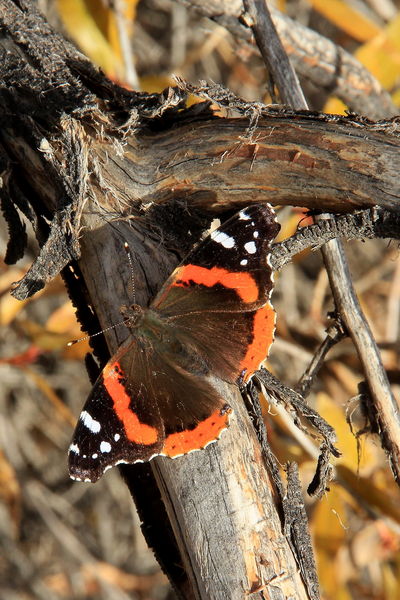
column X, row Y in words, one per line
column 95, row 455
column 88, row 421
column 255, row 234
column 74, row 448
column 116, row 437
column 250, row 247
column 222, row 238
column 244, row 262
column 105, row 447
column 243, row 215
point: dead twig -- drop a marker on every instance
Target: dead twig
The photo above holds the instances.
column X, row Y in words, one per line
column 315, row 57
column 345, row 297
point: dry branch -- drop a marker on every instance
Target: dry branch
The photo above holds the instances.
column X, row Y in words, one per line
column 313, row 56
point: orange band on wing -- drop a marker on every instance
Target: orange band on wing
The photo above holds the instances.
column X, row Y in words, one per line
column 195, row 439
column 263, row 336
column 136, row 432
column 243, row 283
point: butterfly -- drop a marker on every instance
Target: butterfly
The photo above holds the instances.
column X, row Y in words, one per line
column 212, row 317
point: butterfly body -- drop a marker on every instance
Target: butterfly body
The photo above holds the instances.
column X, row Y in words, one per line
column 212, row 317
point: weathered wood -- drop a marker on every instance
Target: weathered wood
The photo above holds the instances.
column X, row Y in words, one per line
column 296, row 160
column 324, row 165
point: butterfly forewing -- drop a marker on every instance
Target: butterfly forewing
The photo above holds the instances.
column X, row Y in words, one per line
column 219, row 296
column 232, row 259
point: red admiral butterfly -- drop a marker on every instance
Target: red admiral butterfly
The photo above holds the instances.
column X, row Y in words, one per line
column 212, row 316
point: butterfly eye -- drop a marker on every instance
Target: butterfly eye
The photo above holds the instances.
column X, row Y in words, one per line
column 131, row 314
column 176, row 346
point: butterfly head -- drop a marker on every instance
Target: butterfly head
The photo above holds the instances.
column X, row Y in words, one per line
column 132, row 315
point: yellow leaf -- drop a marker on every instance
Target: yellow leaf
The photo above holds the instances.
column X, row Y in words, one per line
column 289, row 225
column 391, row 579
column 381, row 55
column 365, row 488
column 9, row 306
column 84, row 30
column 8, row 276
column 347, row 18
column 42, row 338
column 105, row 19
column 396, row 98
column 368, row 456
column 334, row 414
column 329, row 533
column 329, row 530
column 152, row 84
column 335, row 106
column 63, row 320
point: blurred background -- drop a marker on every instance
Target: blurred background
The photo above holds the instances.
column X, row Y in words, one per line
column 61, row 539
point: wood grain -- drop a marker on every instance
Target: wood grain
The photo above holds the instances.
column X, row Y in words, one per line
column 305, row 161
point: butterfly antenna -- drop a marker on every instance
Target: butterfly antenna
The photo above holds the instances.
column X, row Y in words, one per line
column 88, row 337
column 129, row 255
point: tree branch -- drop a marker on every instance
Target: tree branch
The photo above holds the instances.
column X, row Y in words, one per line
column 313, row 56
column 343, row 291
